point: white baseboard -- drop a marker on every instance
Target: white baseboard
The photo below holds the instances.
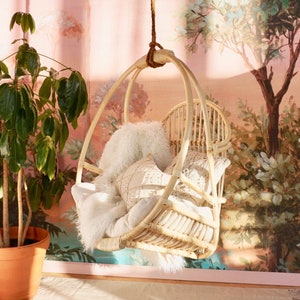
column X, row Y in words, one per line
column 201, row 275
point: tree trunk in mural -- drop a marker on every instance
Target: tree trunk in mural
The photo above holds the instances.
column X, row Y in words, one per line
column 272, row 104
column 273, row 130
column 264, row 79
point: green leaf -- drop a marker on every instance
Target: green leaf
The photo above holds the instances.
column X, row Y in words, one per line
column 9, row 101
column 31, row 23
column 31, row 114
column 3, row 68
column 16, row 18
column 47, row 197
column 72, row 97
column 3, row 143
column 17, row 154
column 50, row 165
column 34, row 193
column 63, row 133
column 45, row 89
column 25, row 96
column 42, row 150
column 30, row 110
column 48, row 126
column 58, row 186
column 82, row 101
column 61, row 93
column 24, row 23
column 46, row 156
column 22, row 125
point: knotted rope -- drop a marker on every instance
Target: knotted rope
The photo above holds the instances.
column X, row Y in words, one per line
column 153, row 43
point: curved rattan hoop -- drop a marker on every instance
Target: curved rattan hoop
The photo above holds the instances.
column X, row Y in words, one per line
column 151, row 234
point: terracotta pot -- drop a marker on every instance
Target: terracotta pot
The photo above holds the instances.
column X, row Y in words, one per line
column 21, row 267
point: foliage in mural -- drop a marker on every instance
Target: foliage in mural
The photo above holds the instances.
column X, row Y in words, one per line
column 267, row 189
column 115, row 108
column 259, row 32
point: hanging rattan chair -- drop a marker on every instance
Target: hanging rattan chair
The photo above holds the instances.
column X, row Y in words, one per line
column 195, row 124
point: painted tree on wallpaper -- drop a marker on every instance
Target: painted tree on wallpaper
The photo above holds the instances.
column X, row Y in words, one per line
column 260, row 32
column 264, row 188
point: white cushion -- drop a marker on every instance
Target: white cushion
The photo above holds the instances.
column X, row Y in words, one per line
column 195, row 168
column 142, row 179
column 135, row 215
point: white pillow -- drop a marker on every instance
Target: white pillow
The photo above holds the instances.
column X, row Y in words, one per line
column 143, row 179
column 195, row 168
column 135, row 215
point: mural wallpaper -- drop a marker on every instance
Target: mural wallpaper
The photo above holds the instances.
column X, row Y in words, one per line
column 245, row 55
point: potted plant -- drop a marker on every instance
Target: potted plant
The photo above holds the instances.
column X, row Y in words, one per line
column 36, row 105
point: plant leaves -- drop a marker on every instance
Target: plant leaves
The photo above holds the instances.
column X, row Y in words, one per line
column 82, row 101
column 58, row 186
column 17, row 154
column 42, row 150
column 21, row 125
column 3, row 68
column 30, row 110
column 9, row 101
column 27, row 59
column 3, row 143
column 34, row 193
column 25, row 20
column 24, row 23
column 47, row 197
column 72, row 97
column 31, row 23
column 50, row 166
column 45, row 89
column 48, row 126
column 16, row 18
column 63, row 132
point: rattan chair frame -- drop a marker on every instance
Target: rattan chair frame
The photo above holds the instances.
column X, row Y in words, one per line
column 169, row 228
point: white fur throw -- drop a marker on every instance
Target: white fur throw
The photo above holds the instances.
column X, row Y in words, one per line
column 130, row 143
column 96, row 212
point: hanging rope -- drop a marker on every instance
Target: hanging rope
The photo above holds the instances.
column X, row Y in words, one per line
column 153, row 44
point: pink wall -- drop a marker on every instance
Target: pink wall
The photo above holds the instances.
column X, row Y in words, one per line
column 103, row 38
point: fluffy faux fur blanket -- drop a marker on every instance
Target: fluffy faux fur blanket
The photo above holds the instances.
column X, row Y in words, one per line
column 130, row 143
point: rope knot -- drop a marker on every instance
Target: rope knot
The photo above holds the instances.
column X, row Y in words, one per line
column 150, row 55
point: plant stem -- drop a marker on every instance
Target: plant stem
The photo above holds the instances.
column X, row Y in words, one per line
column 29, row 217
column 7, row 57
column 1, row 241
column 5, row 205
column 20, row 207
column 58, row 62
